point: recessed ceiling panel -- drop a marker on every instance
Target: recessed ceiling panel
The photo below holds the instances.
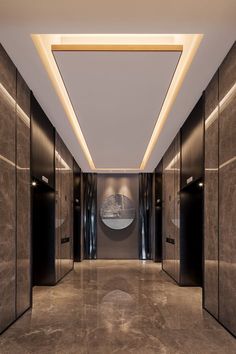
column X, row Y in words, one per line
column 117, row 97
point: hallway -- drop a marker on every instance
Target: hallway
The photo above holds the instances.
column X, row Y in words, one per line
column 116, row 307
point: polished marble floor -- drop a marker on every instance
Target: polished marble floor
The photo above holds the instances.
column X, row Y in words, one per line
column 117, row 307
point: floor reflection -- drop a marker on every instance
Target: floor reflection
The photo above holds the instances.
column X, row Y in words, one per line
column 117, row 307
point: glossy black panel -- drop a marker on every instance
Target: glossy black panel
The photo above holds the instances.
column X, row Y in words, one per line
column 192, row 145
column 43, row 230
column 145, row 215
column 77, row 212
column 158, row 212
column 191, row 234
column 42, row 145
column 90, row 215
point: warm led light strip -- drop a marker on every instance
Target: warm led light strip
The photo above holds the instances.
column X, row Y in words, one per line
column 222, row 105
column 50, row 65
column 13, row 102
column 173, row 162
column 171, row 96
column 23, row 116
column 118, row 47
column 228, row 162
column 208, row 122
column 62, row 162
column 45, row 52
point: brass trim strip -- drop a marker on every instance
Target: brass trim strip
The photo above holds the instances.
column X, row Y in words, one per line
column 118, row 47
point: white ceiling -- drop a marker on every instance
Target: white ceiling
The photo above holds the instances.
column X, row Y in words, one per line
column 216, row 20
column 117, row 97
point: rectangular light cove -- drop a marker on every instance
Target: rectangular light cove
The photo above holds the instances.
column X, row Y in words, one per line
column 46, row 44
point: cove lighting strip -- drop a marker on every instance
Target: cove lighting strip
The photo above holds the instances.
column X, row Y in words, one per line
column 186, row 43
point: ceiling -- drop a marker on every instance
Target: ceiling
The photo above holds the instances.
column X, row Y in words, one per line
column 117, row 97
column 126, row 90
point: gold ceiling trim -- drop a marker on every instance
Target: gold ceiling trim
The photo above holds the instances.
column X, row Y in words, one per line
column 117, row 47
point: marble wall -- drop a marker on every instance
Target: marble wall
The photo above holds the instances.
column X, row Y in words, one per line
column 23, row 223
column 64, row 208
column 15, row 289
column 170, row 211
column 211, row 197
column 7, row 190
column 220, row 194
column 227, row 191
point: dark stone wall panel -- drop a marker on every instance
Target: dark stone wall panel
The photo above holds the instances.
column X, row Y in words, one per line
column 23, row 196
column 227, row 191
column 227, row 239
column 220, row 194
column 170, row 226
column 211, row 198
column 64, row 208
column 7, row 190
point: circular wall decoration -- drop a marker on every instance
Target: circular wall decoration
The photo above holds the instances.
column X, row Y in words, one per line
column 117, row 211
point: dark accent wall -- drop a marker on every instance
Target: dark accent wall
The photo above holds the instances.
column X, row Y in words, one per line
column 118, row 244
column 15, row 218
column 220, row 194
column 89, row 190
column 77, row 212
column 146, row 228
